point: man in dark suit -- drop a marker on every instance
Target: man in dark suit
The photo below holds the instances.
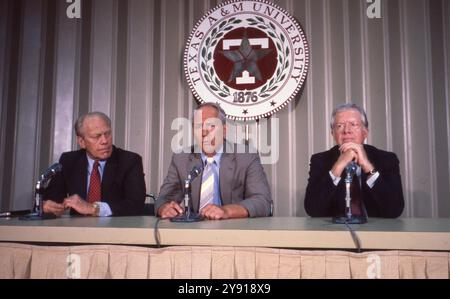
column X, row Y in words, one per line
column 233, row 183
column 99, row 179
column 377, row 171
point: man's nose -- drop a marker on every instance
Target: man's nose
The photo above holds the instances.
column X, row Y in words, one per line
column 347, row 128
column 103, row 139
column 205, row 131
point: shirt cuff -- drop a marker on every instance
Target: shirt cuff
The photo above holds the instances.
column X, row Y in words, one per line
column 336, row 179
column 105, row 210
column 373, row 178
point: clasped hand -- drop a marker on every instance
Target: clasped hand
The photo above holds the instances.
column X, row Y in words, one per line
column 351, row 152
column 75, row 202
column 211, row 211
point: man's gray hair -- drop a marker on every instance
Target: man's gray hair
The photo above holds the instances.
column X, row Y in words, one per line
column 220, row 112
column 349, row 106
column 80, row 121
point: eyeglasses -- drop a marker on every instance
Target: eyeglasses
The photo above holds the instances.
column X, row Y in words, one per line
column 352, row 125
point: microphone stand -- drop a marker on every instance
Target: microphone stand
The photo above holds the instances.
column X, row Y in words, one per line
column 349, row 218
column 38, row 213
column 188, row 216
column 348, row 182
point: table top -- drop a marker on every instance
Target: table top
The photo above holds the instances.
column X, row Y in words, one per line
column 280, row 232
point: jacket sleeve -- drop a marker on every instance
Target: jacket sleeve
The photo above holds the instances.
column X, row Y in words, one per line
column 320, row 191
column 386, row 196
column 171, row 188
column 257, row 197
column 132, row 199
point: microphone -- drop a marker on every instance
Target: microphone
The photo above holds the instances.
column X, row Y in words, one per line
column 41, row 184
column 51, row 171
column 188, row 216
column 350, row 169
column 196, row 170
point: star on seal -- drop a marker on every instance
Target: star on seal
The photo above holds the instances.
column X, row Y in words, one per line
column 245, row 59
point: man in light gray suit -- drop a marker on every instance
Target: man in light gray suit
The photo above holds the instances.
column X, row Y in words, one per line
column 233, row 183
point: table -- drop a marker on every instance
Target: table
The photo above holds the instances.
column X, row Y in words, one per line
column 272, row 247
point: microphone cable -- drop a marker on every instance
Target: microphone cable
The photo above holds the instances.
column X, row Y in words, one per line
column 156, row 232
column 355, row 237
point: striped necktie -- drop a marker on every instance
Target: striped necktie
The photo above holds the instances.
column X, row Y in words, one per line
column 207, row 188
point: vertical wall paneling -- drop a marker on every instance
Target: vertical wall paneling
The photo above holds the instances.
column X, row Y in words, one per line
column 4, row 7
column 347, row 60
column 355, row 44
column 328, row 68
column 420, row 151
column 364, row 64
column 387, row 78
column 318, row 77
column 407, row 146
column 139, row 133
column 430, row 111
column 163, row 85
column 103, row 59
column 397, row 91
column 26, row 150
column 292, row 121
column 300, row 109
column 65, row 82
column 444, row 210
column 121, row 80
column 376, row 89
column 309, row 82
column 125, row 57
column 442, row 109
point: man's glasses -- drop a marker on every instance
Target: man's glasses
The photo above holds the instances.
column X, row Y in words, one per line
column 352, row 125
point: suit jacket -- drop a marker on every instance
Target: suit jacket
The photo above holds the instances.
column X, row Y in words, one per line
column 123, row 185
column 242, row 181
column 384, row 199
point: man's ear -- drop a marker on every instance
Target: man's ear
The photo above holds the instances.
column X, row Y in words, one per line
column 80, row 142
column 365, row 133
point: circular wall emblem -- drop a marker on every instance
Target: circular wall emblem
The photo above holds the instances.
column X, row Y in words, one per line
column 249, row 56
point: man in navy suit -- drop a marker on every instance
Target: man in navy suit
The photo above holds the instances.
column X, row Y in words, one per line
column 120, row 185
column 377, row 171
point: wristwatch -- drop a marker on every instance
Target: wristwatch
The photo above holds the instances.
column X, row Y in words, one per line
column 96, row 206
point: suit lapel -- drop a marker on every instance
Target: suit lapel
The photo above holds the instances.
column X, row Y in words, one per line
column 226, row 176
column 334, row 152
column 80, row 175
column 108, row 174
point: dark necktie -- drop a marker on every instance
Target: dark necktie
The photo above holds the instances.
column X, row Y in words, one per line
column 95, row 188
column 355, row 194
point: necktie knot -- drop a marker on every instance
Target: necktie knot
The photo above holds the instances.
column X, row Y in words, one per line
column 209, row 161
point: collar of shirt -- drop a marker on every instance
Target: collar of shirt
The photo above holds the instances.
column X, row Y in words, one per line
column 216, row 157
column 91, row 164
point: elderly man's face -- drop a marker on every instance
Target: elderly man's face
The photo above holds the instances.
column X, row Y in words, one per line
column 348, row 127
column 96, row 138
column 208, row 130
